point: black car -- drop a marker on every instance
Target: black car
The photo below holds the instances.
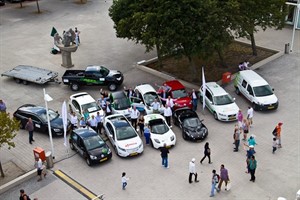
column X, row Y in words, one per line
column 89, row 145
column 39, row 119
column 192, row 127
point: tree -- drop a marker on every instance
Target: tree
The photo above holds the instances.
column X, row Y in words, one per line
column 8, row 128
column 257, row 13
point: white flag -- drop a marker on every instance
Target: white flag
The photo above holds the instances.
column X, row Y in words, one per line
column 203, row 88
column 64, row 116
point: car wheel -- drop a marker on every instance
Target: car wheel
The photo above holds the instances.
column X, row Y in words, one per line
column 215, row 116
column 237, row 91
column 112, row 87
column 74, row 86
column 116, row 150
column 151, row 143
column 25, row 82
column 255, row 107
column 88, row 161
column 184, row 135
column 201, row 99
column 72, row 146
column 17, row 80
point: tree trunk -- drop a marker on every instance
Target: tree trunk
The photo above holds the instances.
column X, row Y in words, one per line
column 220, row 54
column 159, row 58
column 38, row 6
column 253, row 45
column 193, row 68
column 1, row 170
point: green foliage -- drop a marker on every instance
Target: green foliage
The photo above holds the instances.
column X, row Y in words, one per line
column 8, row 128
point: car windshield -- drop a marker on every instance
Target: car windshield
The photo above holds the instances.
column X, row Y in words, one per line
column 91, row 107
column 125, row 132
column 52, row 115
column 159, row 128
column 122, row 103
column 192, row 122
column 93, row 142
column 104, row 71
column 262, row 91
column 150, row 97
column 223, row 100
column 179, row 93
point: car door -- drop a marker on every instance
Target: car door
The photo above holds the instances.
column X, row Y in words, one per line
column 80, row 146
column 38, row 125
column 244, row 89
column 76, row 108
column 137, row 102
column 209, row 101
column 250, row 94
column 110, row 133
column 99, row 77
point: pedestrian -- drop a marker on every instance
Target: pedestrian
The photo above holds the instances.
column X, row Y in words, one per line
column 274, row 145
column 40, row 168
column 147, row 134
column 164, row 155
column 93, row 123
column 278, row 134
column 245, row 127
column 82, row 122
column 206, row 153
column 194, row 98
column 134, row 115
column 164, row 90
column 168, row 114
column 102, row 100
column 169, row 102
column 108, row 109
column 250, row 153
column 77, row 39
column 86, row 115
column 2, row 106
column 252, row 142
column 124, row 180
column 237, row 133
column 23, row 195
column 223, row 177
column 73, row 120
column 252, row 168
column 192, row 170
column 155, row 106
column 29, row 127
column 99, row 117
column 214, row 182
column 141, row 124
column 250, row 115
column 129, row 92
column 240, row 118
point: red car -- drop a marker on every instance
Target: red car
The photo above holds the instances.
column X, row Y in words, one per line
column 177, row 91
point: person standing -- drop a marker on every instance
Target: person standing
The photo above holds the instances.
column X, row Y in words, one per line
column 252, row 168
column 93, row 123
column 168, row 114
column 274, row 145
column 23, row 195
column 40, row 167
column 86, row 115
column 77, row 39
column 82, row 122
column 155, row 106
column 240, row 118
column 147, row 134
column 134, row 115
column 249, row 154
column 108, row 109
column 194, row 98
column 124, row 180
column 129, row 92
column 99, row 118
column 164, row 156
column 250, row 115
column 29, row 127
column 141, row 123
column 192, row 170
column 224, row 177
column 2, row 106
column 245, row 127
column 214, row 182
column 73, row 120
column 237, row 133
column 169, row 102
column 206, row 153
column 278, row 134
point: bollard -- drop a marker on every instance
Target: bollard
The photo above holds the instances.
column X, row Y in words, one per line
column 287, row 48
column 49, row 159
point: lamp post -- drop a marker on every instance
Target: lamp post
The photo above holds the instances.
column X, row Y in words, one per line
column 295, row 23
column 48, row 98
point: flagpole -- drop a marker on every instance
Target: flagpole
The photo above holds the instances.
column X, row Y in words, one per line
column 203, row 90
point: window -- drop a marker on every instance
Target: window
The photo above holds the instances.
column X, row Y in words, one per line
column 208, row 95
column 110, row 130
column 249, row 89
column 244, row 83
column 76, row 105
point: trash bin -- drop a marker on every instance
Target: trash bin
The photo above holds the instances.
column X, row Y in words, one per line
column 226, row 77
column 49, row 159
column 287, row 48
column 38, row 152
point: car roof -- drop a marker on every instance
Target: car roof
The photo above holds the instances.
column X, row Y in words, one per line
column 32, row 109
column 118, row 95
column 145, row 88
column 253, row 78
column 216, row 89
column 85, row 132
column 175, row 84
column 82, row 98
column 151, row 117
column 94, row 68
column 118, row 120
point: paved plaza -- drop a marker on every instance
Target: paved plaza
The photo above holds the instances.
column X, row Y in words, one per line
column 25, row 39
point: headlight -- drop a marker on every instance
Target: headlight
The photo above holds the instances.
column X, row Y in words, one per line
column 222, row 114
column 109, row 151
column 119, row 78
column 156, row 140
column 176, row 104
column 122, row 149
column 191, row 102
column 93, row 157
column 141, row 145
column 172, row 137
column 56, row 130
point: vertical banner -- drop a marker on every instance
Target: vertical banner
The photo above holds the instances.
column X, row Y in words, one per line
column 64, row 115
column 203, row 88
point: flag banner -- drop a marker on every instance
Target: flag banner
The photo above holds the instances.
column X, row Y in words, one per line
column 203, row 88
column 64, row 116
column 53, row 32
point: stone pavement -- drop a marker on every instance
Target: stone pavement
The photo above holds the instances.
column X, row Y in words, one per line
column 25, row 40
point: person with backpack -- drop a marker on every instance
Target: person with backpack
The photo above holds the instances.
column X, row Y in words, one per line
column 23, row 195
column 223, row 177
column 214, row 182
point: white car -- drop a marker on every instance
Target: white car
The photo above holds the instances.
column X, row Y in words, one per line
column 122, row 136
column 147, row 97
column 219, row 102
column 160, row 132
column 83, row 101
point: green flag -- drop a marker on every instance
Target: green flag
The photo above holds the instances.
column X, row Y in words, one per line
column 53, row 32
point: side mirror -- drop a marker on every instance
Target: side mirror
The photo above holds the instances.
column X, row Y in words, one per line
column 110, row 135
column 233, row 99
column 273, row 89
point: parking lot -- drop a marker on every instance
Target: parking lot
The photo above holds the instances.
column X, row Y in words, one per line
column 25, row 39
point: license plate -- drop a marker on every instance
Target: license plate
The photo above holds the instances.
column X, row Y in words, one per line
column 231, row 118
column 270, row 107
column 104, row 159
column 168, row 147
column 133, row 154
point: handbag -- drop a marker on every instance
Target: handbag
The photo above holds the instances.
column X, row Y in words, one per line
column 275, row 131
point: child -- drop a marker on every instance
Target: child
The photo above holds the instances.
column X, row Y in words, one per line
column 274, row 144
column 124, row 180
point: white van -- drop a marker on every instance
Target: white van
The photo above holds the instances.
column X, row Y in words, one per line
column 256, row 90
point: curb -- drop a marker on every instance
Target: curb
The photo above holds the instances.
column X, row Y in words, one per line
column 17, row 181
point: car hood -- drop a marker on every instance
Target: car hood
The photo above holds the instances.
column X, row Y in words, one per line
column 227, row 109
column 163, row 137
column 57, row 123
column 98, row 151
column 271, row 99
column 130, row 143
column 113, row 72
column 183, row 100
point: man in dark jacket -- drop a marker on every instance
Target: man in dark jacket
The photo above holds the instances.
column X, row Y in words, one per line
column 164, row 155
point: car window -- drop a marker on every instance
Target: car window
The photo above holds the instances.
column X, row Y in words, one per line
column 74, row 137
column 91, row 107
column 208, row 95
column 93, row 142
column 34, row 118
column 192, row 122
column 150, row 97
column 80, row 143
column 159, row 128
column 125, row 132
column 121, row 104
column 249, row 89
column 110, row 130
column 76, row 105
column 179, row 93
column 244, row 83
column 135, row 100
column 104, row 71
column 262, row 91
column 223, row 100
column 52, row 115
